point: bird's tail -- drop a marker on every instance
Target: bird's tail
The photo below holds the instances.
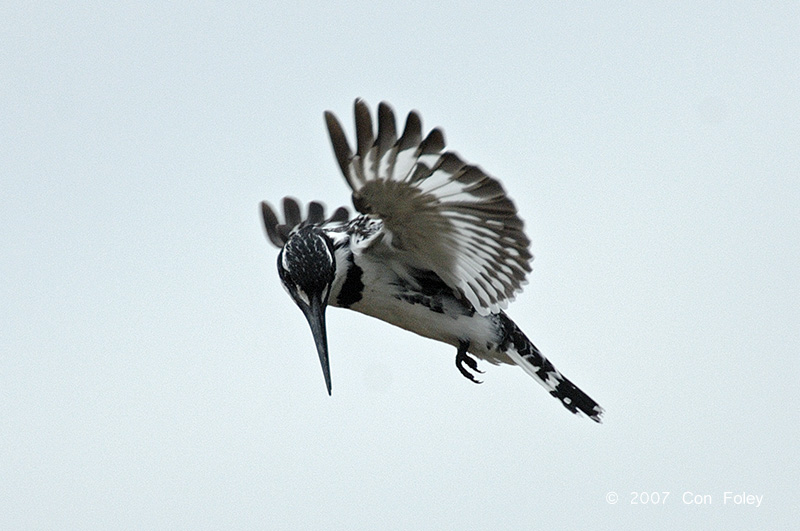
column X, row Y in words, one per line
column 525, row 354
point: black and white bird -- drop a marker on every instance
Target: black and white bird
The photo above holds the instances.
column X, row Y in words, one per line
column 438, row 249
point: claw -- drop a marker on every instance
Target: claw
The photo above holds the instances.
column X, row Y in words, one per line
column 463, row 357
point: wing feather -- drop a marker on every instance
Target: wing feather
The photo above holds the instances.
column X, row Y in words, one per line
column 439, row 212
column 279, row 233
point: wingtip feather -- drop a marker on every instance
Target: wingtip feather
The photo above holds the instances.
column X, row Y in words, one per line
column 364, row 134
column 341, row 149
column 271, row 224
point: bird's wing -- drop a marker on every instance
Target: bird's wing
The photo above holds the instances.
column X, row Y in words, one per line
column 279, row 233
column 439, row 212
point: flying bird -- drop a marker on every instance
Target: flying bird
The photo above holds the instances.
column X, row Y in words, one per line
column 437, row 249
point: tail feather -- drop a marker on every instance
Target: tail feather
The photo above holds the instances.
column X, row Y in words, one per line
column 525, row 354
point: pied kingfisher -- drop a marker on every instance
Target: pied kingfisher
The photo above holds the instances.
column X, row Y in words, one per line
column 438, row 250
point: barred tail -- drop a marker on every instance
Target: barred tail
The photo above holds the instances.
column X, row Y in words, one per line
column 525, row 354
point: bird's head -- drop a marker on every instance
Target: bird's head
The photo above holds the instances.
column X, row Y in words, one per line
column 307, row 266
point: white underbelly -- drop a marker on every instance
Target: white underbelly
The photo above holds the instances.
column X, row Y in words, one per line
column 451, row 329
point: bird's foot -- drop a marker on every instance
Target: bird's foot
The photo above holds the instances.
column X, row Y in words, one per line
column 462, row 357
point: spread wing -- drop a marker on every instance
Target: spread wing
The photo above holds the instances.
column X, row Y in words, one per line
column 439, row 212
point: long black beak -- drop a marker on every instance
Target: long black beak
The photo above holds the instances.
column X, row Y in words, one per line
column 315, row 314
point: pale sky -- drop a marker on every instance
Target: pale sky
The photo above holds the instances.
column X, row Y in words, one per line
column 155, row 375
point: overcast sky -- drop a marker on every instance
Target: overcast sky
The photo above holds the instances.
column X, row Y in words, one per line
column 154, row 374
